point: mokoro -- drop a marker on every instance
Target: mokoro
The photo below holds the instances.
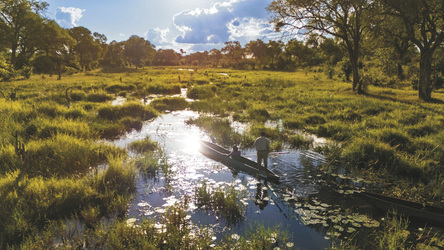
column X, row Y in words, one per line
column 416, row 210
column 220, row 154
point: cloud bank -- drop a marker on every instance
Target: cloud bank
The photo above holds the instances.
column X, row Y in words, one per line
column 240, row 20
column 68, row 16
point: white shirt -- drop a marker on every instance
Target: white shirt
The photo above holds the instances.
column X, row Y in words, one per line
column 262, row 143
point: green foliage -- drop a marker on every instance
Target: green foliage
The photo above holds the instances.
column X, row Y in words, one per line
column 165, row 89
column 143, row 146
column 98, row 97
column 169, row 103
column 201, row 92
column 133, row 109
column 259, row 237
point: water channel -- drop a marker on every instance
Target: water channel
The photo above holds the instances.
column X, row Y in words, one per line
column 303, row 203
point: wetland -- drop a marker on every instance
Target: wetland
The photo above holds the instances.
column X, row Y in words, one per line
column 111, row 160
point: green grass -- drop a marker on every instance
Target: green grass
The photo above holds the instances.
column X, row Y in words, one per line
column 388, row 134
column 143, row 146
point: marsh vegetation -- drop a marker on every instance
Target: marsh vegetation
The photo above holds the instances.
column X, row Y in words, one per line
column 57, row 165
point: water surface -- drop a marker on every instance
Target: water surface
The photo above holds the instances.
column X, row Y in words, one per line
column 303, row 203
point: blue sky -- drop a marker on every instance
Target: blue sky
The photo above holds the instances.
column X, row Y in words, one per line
column 192, row 25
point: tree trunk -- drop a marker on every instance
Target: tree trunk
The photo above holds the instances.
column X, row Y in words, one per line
column 355, row 69
column 400, row 72
column 425, row 72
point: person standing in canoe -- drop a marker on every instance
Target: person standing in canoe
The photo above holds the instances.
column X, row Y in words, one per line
column 262, row 145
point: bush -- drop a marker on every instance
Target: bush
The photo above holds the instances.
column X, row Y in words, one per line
column 26, row 72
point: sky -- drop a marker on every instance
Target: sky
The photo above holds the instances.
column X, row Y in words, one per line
column 191, row 25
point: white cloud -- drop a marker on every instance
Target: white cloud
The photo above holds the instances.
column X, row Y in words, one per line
column 157, row 36
column 247, row 29
column 241, row 20
column 69, row 16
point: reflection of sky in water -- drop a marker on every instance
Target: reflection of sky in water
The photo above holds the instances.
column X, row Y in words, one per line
column 296, row 203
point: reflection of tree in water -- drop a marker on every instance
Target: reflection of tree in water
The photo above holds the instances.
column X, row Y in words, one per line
column 261, row 199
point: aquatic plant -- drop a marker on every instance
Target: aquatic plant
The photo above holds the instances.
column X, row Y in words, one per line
column 218, row 128
column 169, row 103
column 225, row 201
column 258, row 237
column 143, row 146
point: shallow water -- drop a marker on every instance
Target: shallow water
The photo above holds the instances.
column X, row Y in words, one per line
column 303, row 203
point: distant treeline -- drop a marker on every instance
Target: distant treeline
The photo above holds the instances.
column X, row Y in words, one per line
column 31, row 43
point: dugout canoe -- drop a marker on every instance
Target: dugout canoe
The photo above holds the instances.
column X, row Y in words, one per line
column 218, row 153
column 416, row 210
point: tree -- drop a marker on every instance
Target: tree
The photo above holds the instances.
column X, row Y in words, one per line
column 344, row 19
column 138, row 51
column 424, row 27
column 234, row 51
column 20, row 25
column 87, row 49
column 258, row 50
column 215, row 56
column 274, row 50
column 114, row 55
column 54, row 42
column 167, row 57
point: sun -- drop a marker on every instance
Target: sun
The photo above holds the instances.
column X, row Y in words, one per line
column 191, row 143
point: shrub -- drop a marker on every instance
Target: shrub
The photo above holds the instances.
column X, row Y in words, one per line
column 26, row 71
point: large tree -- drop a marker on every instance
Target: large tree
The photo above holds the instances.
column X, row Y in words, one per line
column 344, row 19
column 138, row 51
column 54, row 44
column 424, row 27
column 20, row 26
column 87, row 48
column 234, row 52
column 114, row 57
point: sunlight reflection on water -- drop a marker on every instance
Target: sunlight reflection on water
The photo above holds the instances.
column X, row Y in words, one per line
column 301, row 203
column 180, row 143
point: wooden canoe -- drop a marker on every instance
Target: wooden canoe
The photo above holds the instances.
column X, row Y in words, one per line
column 220, row 154
column 416, row 210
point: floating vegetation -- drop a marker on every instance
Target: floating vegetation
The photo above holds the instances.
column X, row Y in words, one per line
column 226, row 200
